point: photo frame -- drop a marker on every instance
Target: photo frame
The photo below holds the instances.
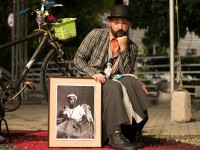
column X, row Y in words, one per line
column 75, row 124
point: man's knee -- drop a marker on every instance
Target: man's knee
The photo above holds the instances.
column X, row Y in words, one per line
column 129, row 81
column 110, row 84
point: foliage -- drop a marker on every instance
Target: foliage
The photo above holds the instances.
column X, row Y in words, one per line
column 86, row 12
column 153, row 16
column 5, row 31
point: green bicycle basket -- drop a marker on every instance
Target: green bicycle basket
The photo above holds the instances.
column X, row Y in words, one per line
column 66, row 29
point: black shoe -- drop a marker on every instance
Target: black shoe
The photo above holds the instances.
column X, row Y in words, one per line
column 119, row 142
column 138, row 140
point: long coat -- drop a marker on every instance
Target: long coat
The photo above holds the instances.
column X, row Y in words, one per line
column 91, row 58
column 92, row 55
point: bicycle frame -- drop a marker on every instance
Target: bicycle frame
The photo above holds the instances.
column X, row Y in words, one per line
column 44, row 41
column 47, row 36
column 31, row 61
column 10, row 93
column 29, row 64
column 25, row 71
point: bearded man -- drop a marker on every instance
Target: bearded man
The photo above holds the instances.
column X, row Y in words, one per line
column 124, row 99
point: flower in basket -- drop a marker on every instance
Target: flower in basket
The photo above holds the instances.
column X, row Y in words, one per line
column 50, row 19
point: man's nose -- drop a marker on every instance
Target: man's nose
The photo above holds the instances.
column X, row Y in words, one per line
column 120, row 26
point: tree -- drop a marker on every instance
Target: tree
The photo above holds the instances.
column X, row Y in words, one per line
column 153, row 16
column 5, row 30
column 87, row 13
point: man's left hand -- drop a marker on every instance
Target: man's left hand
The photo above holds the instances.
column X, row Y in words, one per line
column 144, row 88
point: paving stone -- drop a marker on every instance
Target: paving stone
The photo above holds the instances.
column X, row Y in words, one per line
column 35, row 117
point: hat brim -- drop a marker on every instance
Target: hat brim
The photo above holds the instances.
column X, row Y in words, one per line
column 127, row 17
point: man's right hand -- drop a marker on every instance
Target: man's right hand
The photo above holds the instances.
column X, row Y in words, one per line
column 99, row 77
column 122, row 41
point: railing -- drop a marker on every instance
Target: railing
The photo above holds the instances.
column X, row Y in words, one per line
column 154, row 71
column 5, row 75
column 34, row 72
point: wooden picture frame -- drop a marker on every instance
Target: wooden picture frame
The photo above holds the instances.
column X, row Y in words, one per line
column 80, row 130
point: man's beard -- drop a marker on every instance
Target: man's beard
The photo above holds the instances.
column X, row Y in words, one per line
column 119, row 33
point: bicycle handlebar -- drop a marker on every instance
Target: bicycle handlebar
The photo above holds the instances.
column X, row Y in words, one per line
column 44, row 3
column 42, row 13
column 24, row 11
column 50, row 3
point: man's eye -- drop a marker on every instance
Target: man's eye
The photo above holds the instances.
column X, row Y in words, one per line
column 125, row 23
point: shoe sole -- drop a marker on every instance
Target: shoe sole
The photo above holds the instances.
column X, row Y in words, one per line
column 117, row 148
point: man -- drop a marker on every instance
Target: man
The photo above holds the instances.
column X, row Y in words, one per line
column 75, row 121
column 124, row 97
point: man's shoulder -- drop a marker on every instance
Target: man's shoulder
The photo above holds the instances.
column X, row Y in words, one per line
column 100, row 30
column 98, row 34
column 133, row 44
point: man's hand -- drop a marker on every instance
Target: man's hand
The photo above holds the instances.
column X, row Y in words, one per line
column 122, row 41
column 99, row 77
column 144, row 88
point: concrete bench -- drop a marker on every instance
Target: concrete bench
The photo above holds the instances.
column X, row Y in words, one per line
column 197, row 91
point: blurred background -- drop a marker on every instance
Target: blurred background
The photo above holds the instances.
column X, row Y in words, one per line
column 150, row 31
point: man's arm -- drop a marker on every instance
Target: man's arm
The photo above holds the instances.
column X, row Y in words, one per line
column 89, row 58
column 128, row 59
column 83, row 54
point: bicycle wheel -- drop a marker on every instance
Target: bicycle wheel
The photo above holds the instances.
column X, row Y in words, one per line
column 52, row 66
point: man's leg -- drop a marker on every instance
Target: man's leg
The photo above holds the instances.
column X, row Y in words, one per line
column 114, row 114
column 141, row 125
column 136, row 95
column 140, row 104
column 134, row 132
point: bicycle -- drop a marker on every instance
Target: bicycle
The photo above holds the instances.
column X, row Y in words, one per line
column 52, row 33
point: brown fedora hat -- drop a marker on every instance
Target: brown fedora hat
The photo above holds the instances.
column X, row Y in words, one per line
column 120, row 11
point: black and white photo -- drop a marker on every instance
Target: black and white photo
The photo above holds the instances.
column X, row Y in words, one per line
column 74, row 112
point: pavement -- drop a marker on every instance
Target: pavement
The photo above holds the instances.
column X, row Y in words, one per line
column 161, row 124
column 34, row 116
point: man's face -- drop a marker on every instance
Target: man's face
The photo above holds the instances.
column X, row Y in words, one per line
column 119, row 26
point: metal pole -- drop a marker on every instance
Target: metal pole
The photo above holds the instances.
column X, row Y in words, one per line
column 171, row 21
column 13, row 38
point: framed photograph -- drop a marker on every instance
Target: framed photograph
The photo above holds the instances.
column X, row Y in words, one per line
column 74, row 112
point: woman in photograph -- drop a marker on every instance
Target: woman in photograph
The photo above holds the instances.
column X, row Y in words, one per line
column 75, row 121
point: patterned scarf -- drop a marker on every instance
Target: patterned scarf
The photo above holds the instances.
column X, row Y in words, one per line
column 115, row 65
